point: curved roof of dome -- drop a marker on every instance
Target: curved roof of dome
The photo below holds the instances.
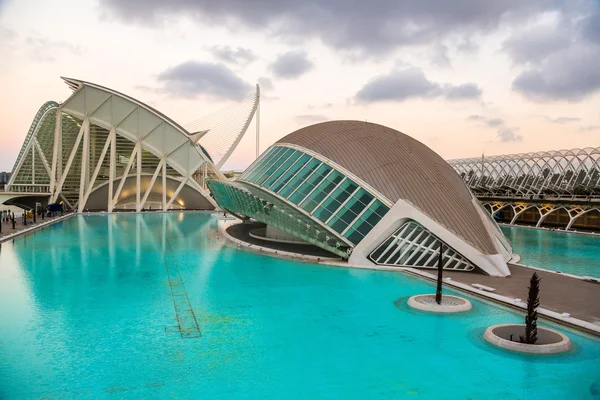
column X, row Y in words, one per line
column 399, row 167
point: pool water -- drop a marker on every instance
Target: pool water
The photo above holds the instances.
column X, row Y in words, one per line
column 96, row 306
column 570, row 253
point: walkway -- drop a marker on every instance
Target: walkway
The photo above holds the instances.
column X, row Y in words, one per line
column 241, row 232
column 8, row 231
column 559, row 293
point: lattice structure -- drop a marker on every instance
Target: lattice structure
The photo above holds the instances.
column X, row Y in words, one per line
column 558, row 173
column 572, row 213
column 104, row 148
column 414, row 246
column 220, row 132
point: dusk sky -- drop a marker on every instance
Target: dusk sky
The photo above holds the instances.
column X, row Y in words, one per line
column 464, row 76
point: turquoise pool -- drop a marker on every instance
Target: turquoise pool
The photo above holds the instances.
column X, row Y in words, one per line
column 87, row 310
column 569, row 253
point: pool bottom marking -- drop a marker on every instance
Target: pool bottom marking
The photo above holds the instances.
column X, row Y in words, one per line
column 186, row 319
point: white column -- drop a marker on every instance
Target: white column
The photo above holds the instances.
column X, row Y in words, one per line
column 258, row 124
column 85, row 151
column 111, row 173
column 68, row 166
column 164, row 184
column 138, row 180
column 57, row 138
column 33, row 163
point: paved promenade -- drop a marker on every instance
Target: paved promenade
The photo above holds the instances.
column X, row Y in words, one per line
column 8, row 231
column 558, row 293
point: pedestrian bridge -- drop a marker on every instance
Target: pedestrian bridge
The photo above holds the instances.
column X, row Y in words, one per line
column 558, row 189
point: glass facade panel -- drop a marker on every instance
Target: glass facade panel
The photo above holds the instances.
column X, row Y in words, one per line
column 414, row 246
column 335, row 200
column 252, row 170
column 287, row 175
column 264, row 164
column 273, row 166
column 318, row 189
column 366, row 222
column 328, row 184
column 304, row 173
column 283, row 167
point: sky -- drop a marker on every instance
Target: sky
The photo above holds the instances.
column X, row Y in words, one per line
column 463, row 76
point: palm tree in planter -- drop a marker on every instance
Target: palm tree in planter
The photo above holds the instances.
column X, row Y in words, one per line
column 549, row 341
column 424, row 301
column 438, row 290
column 533, row 302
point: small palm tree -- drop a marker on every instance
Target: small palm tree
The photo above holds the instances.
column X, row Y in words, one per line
column 533, row 302
column 438, row 291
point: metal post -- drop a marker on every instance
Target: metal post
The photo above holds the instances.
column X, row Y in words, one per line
column 258, row 124
column 34, row 213
column 438, row 291
column 25, row 218
column 13, row 220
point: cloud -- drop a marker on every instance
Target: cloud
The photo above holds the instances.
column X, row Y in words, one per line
column 401, row 85
column 563, row 120
column 509, row 135
column 537, row 43
column 504, row 133
column 265, row 83
column 325, row 105
column 231, row 55
column 440, row 56
column 311, row 118
column 193, row 78
column 291, row 65
column 466, row 45
column 591, row 28
column 559, row 59
column 462, row 92
column 589, row 128
column 475, row 117
column 567, row 75
column 493, row 122
column 44, row 50
column 370, row 28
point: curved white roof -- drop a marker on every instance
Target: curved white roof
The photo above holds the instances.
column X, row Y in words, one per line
column 136, row 121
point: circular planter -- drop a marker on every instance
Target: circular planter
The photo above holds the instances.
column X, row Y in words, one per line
column 549, row 341
column 450, row 304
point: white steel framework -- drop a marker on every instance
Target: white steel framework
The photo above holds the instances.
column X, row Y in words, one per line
column 558, row 173
column 100, row 138
column 414, row 246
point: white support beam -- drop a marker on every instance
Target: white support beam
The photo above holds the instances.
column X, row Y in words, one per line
column 21, row 161
column 154, row 176
column 181, row 185
column 138, row 177
column 95, row 174
column 241, row 134
column 42, row 157
column 124, row 177
column 258, row 122
column 85, row 155
column 33, row 162
column 111, row 173
column 69, row 162
column 164, row 185
column 57, row 138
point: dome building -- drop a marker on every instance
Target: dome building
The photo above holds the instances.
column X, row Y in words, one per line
column 369, row 194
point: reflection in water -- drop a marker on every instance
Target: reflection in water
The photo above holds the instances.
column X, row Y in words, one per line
column 86, row 309
column 557, row 251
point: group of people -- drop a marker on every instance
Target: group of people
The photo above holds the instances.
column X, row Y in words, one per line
column 6, row 216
